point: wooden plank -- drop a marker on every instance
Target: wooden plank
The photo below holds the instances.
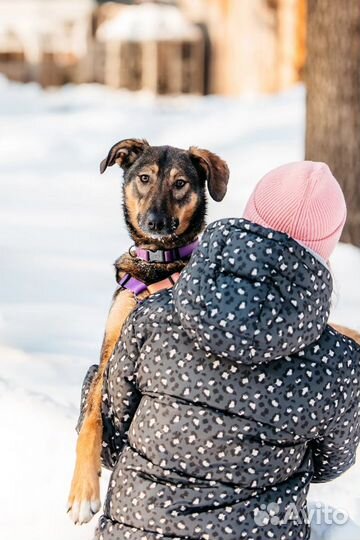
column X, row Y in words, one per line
column 149, row 78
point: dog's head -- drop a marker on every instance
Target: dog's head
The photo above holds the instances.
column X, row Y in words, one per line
column 165, row 189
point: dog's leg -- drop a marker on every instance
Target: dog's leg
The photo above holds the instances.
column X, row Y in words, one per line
column 353, row 334
column 84, row 498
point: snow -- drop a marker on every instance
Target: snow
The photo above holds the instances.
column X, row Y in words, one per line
column 149, row 22
column 60, row 230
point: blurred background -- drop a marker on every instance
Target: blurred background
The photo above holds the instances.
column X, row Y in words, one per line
column 260, row 82
column 167, row 47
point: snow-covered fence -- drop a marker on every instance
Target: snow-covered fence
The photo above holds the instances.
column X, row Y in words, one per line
column 151, row 47
column 46, row 41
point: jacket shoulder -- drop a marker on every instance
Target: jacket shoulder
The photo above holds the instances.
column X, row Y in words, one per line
column 154, row 311
column 338, row 358
column 338, row 346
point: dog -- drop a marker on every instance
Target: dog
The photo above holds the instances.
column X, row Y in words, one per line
column 164, row 203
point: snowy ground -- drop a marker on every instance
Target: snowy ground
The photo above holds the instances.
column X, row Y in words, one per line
column 60, row 230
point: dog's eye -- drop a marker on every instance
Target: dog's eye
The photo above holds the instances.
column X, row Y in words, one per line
column 180, row 183
column 144, row 178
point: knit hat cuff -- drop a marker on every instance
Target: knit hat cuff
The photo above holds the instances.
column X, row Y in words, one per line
column 323, row 246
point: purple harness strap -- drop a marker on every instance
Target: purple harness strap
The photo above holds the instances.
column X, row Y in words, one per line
column 133, row 284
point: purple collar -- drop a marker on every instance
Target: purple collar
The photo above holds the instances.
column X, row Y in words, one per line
column 166, row 255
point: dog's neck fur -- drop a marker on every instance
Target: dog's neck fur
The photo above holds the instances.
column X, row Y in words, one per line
column 151, row 272
column 148, row 272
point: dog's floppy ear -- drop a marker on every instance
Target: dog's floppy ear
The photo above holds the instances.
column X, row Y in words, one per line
column 213, row 169
column 124, row 153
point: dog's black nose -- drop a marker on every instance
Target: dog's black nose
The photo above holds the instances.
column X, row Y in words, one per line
column 156, row 223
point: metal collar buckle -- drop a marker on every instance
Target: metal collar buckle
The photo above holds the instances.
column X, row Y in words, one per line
column 157, row 256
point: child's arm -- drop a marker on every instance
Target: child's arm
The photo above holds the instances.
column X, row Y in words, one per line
column 334, row 453
column 116, row 423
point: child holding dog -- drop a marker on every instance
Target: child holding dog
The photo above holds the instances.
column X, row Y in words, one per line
column 229, row 394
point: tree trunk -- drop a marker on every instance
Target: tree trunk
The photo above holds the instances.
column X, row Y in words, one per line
column 333, row 98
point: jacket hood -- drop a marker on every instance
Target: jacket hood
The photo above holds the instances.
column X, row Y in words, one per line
column 252, row 294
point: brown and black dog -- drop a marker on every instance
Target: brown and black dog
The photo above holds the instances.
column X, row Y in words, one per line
column 164, row 203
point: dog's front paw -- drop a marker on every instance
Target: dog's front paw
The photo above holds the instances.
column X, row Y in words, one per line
column 84, row 498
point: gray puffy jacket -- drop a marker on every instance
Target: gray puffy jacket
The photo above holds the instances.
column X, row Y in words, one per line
column 228, row 395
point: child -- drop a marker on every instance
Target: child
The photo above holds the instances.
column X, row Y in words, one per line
column 229, row 394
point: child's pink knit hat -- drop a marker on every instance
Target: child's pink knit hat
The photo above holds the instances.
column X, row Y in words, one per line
column 304, row 200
